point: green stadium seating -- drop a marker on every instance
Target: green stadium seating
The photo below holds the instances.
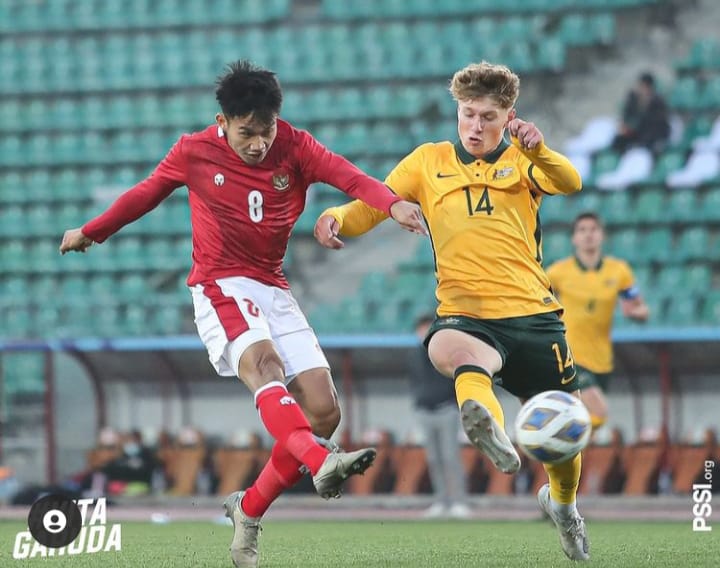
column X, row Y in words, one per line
column 603, row 162
column 119, row 81
column 685, row 94
column 683, row 279
column 667, row 163
column 682, row 310
column 710, row 97
column 693, row 244
column 710, row 205
column 711, row 308
column 555, row 246
column 682, row 206
column 617, row 209
column 626, row 243
column 655, row 246
column 650, row 206
column 704, row 54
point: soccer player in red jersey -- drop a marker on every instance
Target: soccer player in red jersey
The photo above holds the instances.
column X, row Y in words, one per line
column 247, row 178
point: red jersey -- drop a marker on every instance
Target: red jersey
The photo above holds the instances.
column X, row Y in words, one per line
column 242, row 215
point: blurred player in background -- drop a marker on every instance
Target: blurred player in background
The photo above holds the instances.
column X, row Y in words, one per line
column 588, row 284
column 247, row 178
column 434, row 398
column 497, row 314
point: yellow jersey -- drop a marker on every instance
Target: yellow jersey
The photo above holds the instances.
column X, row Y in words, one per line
column 482, row 215
column 589, row 296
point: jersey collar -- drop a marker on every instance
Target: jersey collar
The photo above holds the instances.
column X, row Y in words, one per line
column 584, row 268
column 490, row 158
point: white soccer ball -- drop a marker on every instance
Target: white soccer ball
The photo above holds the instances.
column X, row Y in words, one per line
column 552, row 427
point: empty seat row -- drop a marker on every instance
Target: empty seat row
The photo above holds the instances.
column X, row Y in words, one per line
column 42, row 220
column 638, row 246
column 18, row 16
column 105, row 320
column 194, row 111
column 91, row 147
column 186, row 59
column 70, row 184
column 650, row 206
column 366, row 9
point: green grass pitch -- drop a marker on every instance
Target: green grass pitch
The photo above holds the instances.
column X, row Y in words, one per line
column 393, row 545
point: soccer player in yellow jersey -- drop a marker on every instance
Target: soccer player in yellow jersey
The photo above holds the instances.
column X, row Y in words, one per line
column 588, row 284
column 497, row 315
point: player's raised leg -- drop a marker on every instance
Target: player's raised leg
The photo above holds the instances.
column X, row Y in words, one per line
column 472, row 362
column 315, row 393
column 262, row 371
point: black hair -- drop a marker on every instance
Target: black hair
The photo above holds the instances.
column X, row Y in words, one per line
column 587, row 215
column 247, row 89
column 648, row 79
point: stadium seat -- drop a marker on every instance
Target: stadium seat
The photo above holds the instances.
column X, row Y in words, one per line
column 596, row 135
column 685, row 94
column 688, row 462
column 704, row 54
column 600, row 464
column 693, row 244
column 710, row 142
column 633, row 167
column 667, row 163
column 655, row 246
column 650, row 206
column 626, row 243
column 710, row 313
column 702, row 166
column 682, row 206
column 682, row 310
column 642, row 462
column 380, row 477
column 411, row 470
column 617, row 209
column 555, row 246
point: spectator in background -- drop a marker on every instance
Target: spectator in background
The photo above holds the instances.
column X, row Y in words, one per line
column 645, row 118
column 135, row 466
column 434, row 398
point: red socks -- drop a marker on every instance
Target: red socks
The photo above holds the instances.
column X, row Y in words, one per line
column 281, row 472
column 285, row 422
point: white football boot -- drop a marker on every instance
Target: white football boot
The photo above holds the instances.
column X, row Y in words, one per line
column 486, row 434
column 573, row 536
column 244, row 545
column 337, row 467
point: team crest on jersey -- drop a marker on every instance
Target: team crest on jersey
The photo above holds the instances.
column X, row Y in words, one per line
column 281, row 180
column 502, row 173
column 219, row 179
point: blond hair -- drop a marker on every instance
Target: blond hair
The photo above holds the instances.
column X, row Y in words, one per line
column 485, row 79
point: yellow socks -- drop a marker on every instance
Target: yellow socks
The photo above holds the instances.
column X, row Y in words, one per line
column 597, row 421
column 474, row 383
column 564, row 479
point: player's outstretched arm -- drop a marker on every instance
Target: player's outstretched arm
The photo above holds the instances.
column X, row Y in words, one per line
column 357, row 218
column 75, row 240
column 350, row 220
column 551, row 171
column 131, row 205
